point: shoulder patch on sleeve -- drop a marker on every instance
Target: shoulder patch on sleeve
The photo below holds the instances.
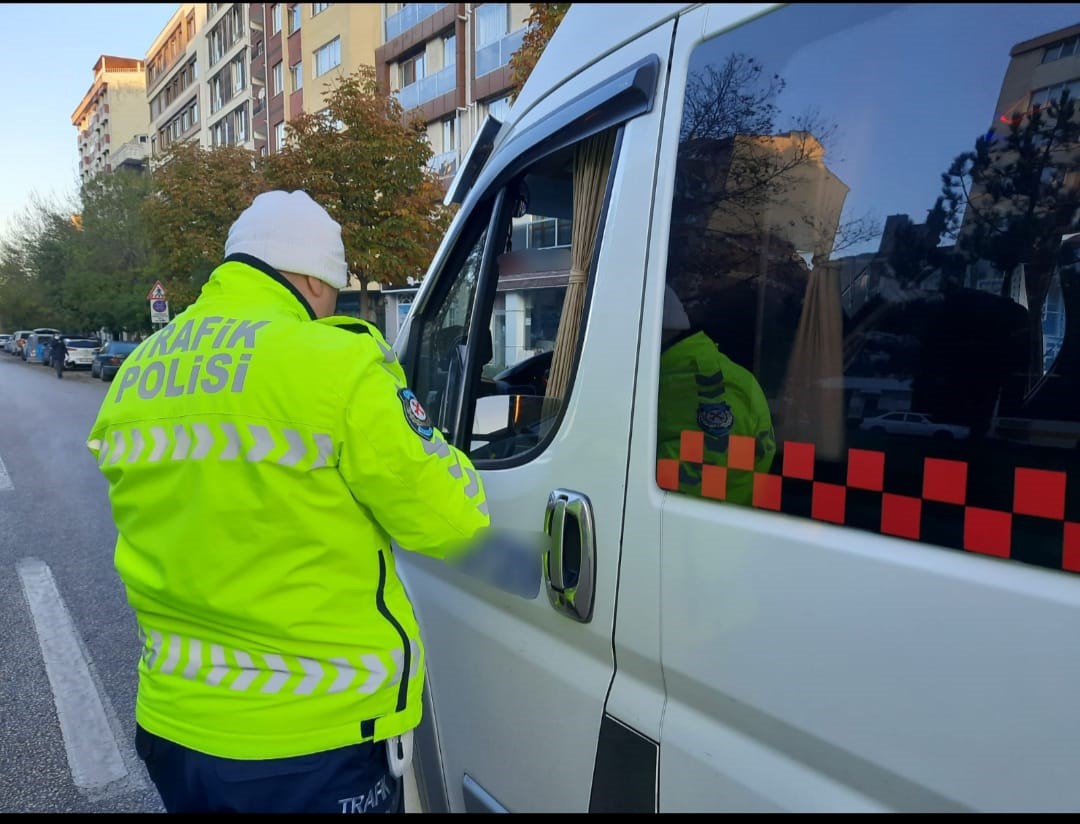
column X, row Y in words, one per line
column 346, row 323
column 355, row 328
column 415, row 414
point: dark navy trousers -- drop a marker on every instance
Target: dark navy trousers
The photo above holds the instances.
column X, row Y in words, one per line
column 355, row 779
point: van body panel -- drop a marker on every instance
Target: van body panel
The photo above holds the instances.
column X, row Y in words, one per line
column 805, row 649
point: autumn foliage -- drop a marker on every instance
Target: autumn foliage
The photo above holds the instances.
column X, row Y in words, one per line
column 366, row 164
column 543, row 19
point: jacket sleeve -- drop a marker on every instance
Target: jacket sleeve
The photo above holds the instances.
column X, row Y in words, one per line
column 422, row 491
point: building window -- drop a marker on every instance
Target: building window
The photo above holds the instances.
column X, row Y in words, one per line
column 279, row 136
column 449, row 135
column 275, row 18
column 492, row 22
column 294, row 18
column 278, row 79
column 548, row 233
column 297, row 73
column 412, row 69
column 238, row 73
column 498, row 108
column 328, row 57
column 316, row 8
column 495, row 43
column 449, row 50
column 217, row 96
column 1052, row 94
column 1060, row 49
column 240, row 124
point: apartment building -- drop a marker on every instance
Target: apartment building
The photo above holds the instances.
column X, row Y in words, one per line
column 451, row 63
column 298, row 50
column 111, row 118
column 172, row 79
column 199, row 84
column 234, row 74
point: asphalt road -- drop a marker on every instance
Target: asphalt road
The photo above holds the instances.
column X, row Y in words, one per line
column 68, row 647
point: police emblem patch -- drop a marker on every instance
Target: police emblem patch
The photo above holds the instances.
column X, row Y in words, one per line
column 715, row 419
column 415, row 414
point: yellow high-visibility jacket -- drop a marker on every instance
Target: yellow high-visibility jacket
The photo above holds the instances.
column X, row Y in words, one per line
column 259, row 463
column 704, row 391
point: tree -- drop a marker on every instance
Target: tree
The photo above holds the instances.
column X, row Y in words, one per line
column 542, row 21
column 37, row 262
column 20, row 304
column 110, row 271
column 365, row 163
column 198, row 194
column 1010, row 200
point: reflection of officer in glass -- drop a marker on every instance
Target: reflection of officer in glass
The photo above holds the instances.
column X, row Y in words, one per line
column 702, row 390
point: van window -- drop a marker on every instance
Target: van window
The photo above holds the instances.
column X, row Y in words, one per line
column 873, row 272
column 532, row 302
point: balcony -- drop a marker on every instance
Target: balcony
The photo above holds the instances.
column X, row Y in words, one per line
column 411, row 14
column 428, row 88
column 492, row 56
column 132, row 154
column 255, row 16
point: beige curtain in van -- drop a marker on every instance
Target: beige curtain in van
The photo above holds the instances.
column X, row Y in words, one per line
column 592, row 160
column 813, row 394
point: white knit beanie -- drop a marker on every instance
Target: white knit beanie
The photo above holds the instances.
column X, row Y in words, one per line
column 292, row 233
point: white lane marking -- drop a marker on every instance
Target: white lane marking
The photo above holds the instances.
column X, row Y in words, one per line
column 92, row 751
column 5, row 479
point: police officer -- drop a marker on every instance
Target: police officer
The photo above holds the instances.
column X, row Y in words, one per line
column 704, row 391
column 58, row 353
column 261, row 455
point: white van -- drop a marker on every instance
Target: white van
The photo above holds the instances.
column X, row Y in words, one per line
column 708, row 242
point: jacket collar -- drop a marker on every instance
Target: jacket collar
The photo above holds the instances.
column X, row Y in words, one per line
column 274, row 275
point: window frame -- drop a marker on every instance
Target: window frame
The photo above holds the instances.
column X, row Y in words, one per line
column 277, row 75
column 497, row 206
column 334, row 43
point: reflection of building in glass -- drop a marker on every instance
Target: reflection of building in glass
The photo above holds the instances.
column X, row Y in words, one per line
column 755, row 185
column 866, row 276
column 1039, row 69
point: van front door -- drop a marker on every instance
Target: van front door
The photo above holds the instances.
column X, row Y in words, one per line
column 522, row 347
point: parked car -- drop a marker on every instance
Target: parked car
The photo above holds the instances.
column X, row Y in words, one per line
column 80, row 352
column 34, row 351
column 17, row 342
column 5, row 339
column 108, row 358
column 913, row 423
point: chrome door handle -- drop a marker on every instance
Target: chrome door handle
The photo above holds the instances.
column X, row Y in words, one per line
column 570, row 562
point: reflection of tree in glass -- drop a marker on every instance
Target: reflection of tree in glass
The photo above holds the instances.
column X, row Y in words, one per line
column 735, row 163
column 755, row 210
column 1009, row 201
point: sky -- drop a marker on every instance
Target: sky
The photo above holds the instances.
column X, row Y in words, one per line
column 49, row 59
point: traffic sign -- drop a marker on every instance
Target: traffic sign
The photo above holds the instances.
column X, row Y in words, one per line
column 157, row 292
column 159, row 311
